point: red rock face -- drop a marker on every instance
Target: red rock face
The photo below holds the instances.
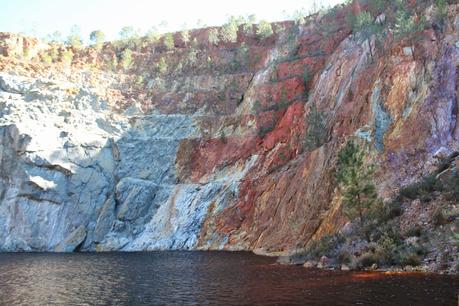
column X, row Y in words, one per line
column 255, row 109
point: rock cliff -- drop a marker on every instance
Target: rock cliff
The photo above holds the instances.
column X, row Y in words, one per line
column 205, row 146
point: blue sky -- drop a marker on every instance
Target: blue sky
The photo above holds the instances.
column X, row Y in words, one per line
column 41, row 17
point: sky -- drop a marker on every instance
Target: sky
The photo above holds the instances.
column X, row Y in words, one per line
column 41, row 17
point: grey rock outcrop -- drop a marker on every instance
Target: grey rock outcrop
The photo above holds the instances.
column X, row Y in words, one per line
column 77, row 176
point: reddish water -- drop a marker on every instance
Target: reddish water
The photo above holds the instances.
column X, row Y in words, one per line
column 197, row 278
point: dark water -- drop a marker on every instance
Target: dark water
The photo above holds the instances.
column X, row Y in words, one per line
column 199, row 278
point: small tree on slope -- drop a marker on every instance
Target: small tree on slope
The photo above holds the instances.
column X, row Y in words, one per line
column 356, row 183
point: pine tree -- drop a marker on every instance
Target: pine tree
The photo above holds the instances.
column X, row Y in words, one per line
column 356, row 183
column 169, row 41
column 97, row 39
column 74, row 39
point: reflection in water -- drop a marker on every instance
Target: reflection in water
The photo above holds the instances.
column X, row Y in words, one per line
column 203, row 278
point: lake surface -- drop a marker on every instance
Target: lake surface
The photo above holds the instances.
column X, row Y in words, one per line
column 209, row 278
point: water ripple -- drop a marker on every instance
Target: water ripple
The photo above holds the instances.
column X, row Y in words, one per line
column 200, row 278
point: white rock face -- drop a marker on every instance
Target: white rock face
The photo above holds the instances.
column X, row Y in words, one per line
column 76, row 175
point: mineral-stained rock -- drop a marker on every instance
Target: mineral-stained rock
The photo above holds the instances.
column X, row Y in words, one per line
column 211, row 154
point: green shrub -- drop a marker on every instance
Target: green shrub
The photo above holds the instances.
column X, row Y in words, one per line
column 113, row 64
column 422, row 189
column 307, row 75
column 325, row 246
column 46, row 58
column 440, row 14
column 222, row 137
column 169, row 41
column 50, row 56
column 410, row 259
column 126, row 58
column 257, row 107
column 364, row 28
column 192, row 57
column 140, row 81
column 25, row 51
column 367, row 260
column 213, row 37
column 247, row 29
column 264, row 130
column 129, row 37
column 386, row 246
column 229, row 30
column 74, row 39
column 97, row 38
column 264, row 29
column 413, row 231
column 451, row 187
column 162, row 65
column 316, row 134
column 243, row 53
column 344, row 257
column 407, row 25
column 67, row 57
column 153, row 35
column 185, row 35
column 55, row 37
column 439, row 218
column 278, row 28
column 455, row 238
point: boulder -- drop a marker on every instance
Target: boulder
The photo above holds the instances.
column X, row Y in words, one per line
column 310, row 264
column 345, row 267
column 324, row 262
column 72, row 241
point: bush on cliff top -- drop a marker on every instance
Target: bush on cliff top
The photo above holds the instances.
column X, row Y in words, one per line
column 97, row 39
column 213, row 37
column 264, row 29
column 229, row 30
column 169, row 41
column 126, row 58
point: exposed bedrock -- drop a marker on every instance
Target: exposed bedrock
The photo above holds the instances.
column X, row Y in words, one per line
column 211, row 154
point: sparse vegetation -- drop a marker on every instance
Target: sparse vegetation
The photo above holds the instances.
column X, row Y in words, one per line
column 307, row 75
column 129, row 37
column 213, row 37
column 264, row 29
column 126, row 59
column 169, row 41
column 316, row 134
column 185, row 36
column 162, row 66
column 97, row 39
column 192, row 57
column 229, row 30
column 364, row 27
column 74, row 39
column 67, row 57
column 264, row 130
column 440, row 14
column 422, row 189
column 55, row 37
column 152, row 35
